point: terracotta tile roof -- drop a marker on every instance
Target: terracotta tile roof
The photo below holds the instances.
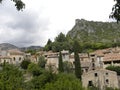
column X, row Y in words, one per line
column 111, row 57
column 106, row 51
column 98, row 52
column 15, row 52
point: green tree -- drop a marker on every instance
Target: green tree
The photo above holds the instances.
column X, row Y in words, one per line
column 33, row 52
column 34, row 69
column 78, row 71
column 18, row 4
column 68, row 67
column 60, row 38
column 60, row 65
column 57, row 46
column 41, row 62
column 11, row 78
column 24, row 64
column 115, row 14
column 114, row 68
column 48, row 46
column 65, row 82
column 49, row 42
column 39, row 82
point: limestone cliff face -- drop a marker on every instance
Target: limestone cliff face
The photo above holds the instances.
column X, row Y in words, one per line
column 90, row 31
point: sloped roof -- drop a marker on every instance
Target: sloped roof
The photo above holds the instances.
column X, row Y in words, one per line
column 15, row 52
column 111, row 57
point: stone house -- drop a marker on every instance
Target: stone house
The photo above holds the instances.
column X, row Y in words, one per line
column 11, row 56
column 16, row 56
column 6, row 59
column 111, row 59
column 52, row 58
column 100, row 78
column 105, row 57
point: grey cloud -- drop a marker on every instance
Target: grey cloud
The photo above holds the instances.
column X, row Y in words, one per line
column 25, row 22
column 21, row 28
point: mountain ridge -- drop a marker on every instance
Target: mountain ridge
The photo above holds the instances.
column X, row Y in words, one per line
column 8, row 46
column 91, row 31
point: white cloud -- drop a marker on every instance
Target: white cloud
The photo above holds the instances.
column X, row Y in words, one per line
column 43, row 19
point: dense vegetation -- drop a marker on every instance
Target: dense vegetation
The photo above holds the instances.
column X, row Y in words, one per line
column 91, row 36
column 36, row 77
column 78, row 71
column 60, row 65
column 115, row 14
column 114, row 68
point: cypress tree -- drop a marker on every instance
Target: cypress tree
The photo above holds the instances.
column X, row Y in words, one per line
column 60, row 67
column 78, row 71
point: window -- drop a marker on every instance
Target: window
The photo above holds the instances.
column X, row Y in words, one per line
column 19, row 58
column 92, row 55
column 106, row 73
column 45, row 55
column 108, row 62
column 14, row 58
column 96, row 74
column 93, row 65
column 93, row 60
column 90, row 83
column 107, row 81
column 86, row 70
column 82, row 71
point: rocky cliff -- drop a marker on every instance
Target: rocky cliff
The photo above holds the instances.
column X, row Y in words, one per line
column 91, row 31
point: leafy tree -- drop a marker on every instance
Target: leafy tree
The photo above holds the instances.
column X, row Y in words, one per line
column 60, row 65
column 18, row 4
column 24, row 64
column 114, row 68
column 65, row 82
column 34, row 69
column 39, row 82
column 67, row 67
column 116, row 11
column 33, row 52
column 11, row 78
column 57, row 46
column 61, row 38
column 49, row 42
column 42, row 62
column 78, row 71
column 48, row 46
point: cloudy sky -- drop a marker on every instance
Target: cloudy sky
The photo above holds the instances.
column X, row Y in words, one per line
column 44, row 19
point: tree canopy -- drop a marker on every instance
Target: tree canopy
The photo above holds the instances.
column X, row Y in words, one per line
column 18, row 4
column 115, row 14
column 78, row 71
column 60, row 68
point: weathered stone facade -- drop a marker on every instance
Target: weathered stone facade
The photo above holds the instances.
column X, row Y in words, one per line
column 100, row 78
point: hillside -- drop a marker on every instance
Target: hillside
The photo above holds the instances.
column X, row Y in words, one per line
column 31, row 48
column 7, row 46
column 95, row 32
